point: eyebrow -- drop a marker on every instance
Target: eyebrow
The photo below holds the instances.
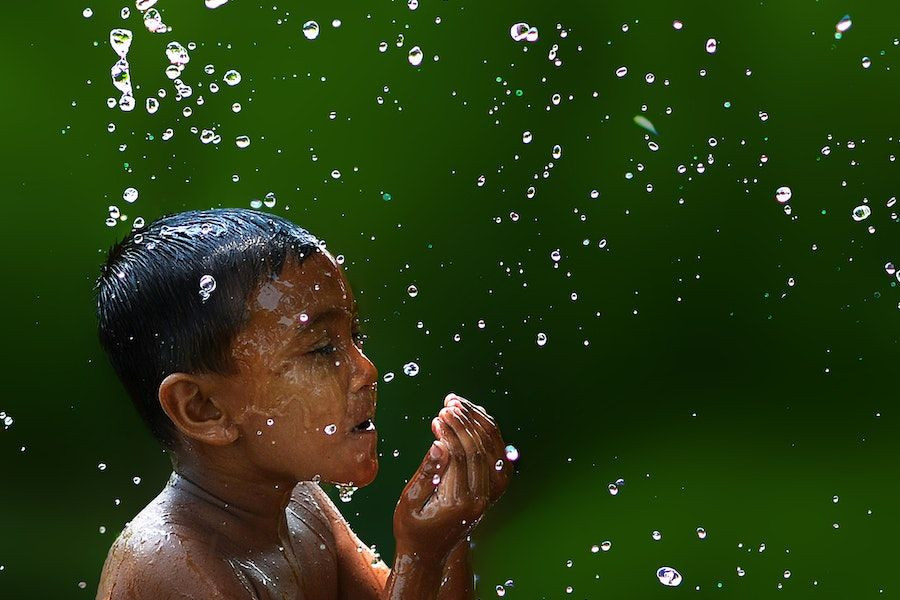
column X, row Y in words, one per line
column 325, row 314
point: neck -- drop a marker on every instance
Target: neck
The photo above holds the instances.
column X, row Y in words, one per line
column 249, row 496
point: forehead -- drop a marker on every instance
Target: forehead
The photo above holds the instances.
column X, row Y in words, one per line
column 312, row 286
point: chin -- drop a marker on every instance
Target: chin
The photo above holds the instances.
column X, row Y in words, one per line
column 368, row 475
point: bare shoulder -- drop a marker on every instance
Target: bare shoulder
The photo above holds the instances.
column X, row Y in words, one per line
column 159, row 560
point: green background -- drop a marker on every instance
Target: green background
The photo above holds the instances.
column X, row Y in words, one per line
column 731, row 400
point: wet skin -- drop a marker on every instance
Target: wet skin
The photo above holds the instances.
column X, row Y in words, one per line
column 242, row 516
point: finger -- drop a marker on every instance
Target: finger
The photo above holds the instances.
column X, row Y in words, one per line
column 456, row 487
column 479, row 477
column 448, row 401
column 474, row 452
column 421, row 485
column 490, row 434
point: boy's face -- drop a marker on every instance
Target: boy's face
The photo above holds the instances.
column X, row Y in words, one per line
column 304, row 383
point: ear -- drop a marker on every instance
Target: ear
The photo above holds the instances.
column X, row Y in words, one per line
column 186, row 399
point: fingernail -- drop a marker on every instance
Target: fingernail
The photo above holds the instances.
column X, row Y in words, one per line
column 455, row 403
column 435, row 451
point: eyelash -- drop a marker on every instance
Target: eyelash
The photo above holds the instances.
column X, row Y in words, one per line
column 328, row 349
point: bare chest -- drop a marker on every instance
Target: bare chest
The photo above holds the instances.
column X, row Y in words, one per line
column 303, row 567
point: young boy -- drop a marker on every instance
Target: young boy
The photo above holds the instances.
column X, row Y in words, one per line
column 235, row 335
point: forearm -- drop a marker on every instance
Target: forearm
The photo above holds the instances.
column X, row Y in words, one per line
column 457, row 579
column 414, row 577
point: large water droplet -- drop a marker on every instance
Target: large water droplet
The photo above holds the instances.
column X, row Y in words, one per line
column 242, row 141
column 668, row 576
column 232, row 77
column 330, row 429
column 861, row 213
column 207, row 285
column 311, row 30
column 415, row 56
column 711, row 45
column 120, row 40
column 541, row 339
column 783, row 194
column 215, row 3
column 519, row 31
column 411, row 369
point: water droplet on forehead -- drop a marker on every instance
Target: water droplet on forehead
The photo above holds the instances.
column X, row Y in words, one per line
column 330, row 429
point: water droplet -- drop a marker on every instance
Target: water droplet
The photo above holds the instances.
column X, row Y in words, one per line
column 526, row 137
column 102, row 466
column 556, row 153
column 136, row 480
column 270, row 422
column 413, row 4
column 656, row 535
column 843, row 25
column 130, row 194
column 177, row 54
column 215, row 3
column 532, row 35
column 668, row 576
column 120, row 40
column 541, row 339
column 415, row 56
column 501, row 591
column 345, row 492
column 87, row 13
column 783, row 194
column 613, row 489
column 711, row 45
column 270, row 200
column 519, row 31
column 605, row 545
column 242, row 141
column 411, row 369
column 436, row 479
column 621, row 71
column 644, row 122
column 512, row 453
column 555, row 256
column 207, row 285
column 143, row 5
column 595, row 549
column 701, row 533
column 232, row 77
column 388, row 377
column 676, row 24
column 861, row 213
column 330, row 429
column 413, row 291
column 311, row 30
column 480, row 181
column 787, row 574
column 153, row 21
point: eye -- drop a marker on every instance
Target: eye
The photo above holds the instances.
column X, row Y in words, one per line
column 324, row 350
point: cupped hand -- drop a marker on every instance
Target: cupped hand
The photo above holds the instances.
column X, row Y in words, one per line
column 463, row 474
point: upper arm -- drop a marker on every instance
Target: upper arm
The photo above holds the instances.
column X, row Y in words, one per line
column 361, row 575
column 168, row 570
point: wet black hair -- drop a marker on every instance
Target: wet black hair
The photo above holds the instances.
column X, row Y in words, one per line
column 172, row 296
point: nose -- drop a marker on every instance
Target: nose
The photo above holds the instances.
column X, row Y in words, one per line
column 364, row 372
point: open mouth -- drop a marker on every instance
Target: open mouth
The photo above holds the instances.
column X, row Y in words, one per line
column 365, row 426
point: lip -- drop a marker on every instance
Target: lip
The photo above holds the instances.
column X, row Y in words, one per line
column 370, row 427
